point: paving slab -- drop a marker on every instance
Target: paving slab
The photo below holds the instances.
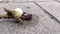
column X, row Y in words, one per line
column 51, row 7
column 24, row 0
column 57, row 0
column 41, row 23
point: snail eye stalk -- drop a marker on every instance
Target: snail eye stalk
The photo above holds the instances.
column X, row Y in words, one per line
column 9, row 13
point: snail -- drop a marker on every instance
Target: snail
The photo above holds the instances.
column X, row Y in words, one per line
column 18, row 14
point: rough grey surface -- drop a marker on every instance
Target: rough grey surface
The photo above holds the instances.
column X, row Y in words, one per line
column 51, row 7
column 43, row 25
column 57, row 0
column 24, row 0
column 40, row 24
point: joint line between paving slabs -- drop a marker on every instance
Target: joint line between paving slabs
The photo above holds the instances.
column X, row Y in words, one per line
column 23, row 2
column 17, row 2
column 48, row 13
column 57, row 1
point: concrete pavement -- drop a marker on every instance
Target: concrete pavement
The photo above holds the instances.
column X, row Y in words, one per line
column 42, row 22
column 52, row 7
column 25, row 0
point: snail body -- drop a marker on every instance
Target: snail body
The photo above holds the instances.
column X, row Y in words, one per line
column 18, row 14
